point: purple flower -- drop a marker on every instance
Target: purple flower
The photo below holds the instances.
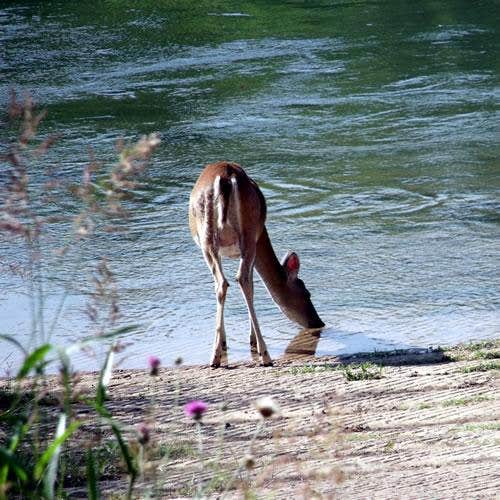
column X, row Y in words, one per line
column 154, row 364
column 195, row 409
column 144, row 434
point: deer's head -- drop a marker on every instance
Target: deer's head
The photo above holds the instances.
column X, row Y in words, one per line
column 296, row 300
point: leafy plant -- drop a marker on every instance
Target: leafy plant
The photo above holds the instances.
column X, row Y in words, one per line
column 310, row 368
column 482, row 367
column 363, row 371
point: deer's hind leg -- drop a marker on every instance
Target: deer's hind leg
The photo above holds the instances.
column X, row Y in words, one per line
column 253, row 340
column 209, row 243
column 219, row 352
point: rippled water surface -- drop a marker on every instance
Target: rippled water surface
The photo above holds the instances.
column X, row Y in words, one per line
column 372, row 128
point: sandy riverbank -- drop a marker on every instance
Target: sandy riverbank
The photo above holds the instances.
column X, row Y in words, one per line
column 428, row 428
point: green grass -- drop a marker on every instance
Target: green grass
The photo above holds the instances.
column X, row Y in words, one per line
column 108, row 458
column 220, row 481
column 389, row 446
column 352, row 371
column 175, row 450
column 484, row 344
column 487, row 354
column 465, row 401
column 9, row 397
column 490, row 426
column 307, row 369
column 424, row 406
column 363, row 371
column 482, row 367
column 454, row 402
column 486, row 349
column 359, row 437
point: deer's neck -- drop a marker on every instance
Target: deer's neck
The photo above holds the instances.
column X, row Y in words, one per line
column 270, row 269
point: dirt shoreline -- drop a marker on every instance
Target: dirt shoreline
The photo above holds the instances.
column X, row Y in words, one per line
column 429, row 427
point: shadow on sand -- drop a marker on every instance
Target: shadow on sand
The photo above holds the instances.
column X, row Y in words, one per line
column 304, row 345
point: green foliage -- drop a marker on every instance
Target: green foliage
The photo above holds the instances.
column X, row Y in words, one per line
column 104, row 378
column 176, row 450
column 363, row 371
column 484, row 427
column 47, row 465
column 482, row 367
column 485, row 349
column 424, row 406
column 310, row 368
column 8, row 460
column 465, row 401
column 483, row 344
column 92, row 482
column 389, row 446
column 127, row 455
column 220, row 480
column 351, row 371
column 34, row 361
column 487, row 354
column 38, row 472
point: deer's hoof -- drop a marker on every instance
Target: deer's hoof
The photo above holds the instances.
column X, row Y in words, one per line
column 266, row 361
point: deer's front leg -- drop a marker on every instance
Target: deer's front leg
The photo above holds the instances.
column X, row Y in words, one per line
column 245, row 280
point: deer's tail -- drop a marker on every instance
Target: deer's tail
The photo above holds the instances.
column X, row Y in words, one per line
column 223, row 189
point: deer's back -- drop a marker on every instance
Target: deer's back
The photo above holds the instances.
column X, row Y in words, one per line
column 228, row 204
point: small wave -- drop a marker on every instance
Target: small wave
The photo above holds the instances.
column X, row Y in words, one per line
column 390, row 202
column 229, row 14
column 446, row 34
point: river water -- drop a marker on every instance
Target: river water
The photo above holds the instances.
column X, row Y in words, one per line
column 372, row 128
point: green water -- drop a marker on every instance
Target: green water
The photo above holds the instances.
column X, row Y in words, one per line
column 372, row 128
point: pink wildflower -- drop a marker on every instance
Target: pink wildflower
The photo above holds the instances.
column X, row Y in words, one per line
column 154, row 364
column 144, row 434
column 195, row 409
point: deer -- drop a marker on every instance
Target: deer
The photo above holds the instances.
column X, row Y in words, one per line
column 227, row 215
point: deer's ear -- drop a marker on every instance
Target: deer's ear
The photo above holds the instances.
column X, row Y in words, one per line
column 291, row 264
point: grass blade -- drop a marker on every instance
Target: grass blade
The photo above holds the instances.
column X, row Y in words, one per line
column 105, row 377
column 124, row 448
column 126, row 454
column 54, row 449
column 113, row 333
column 51, row 473
column 92, row 486
column 20, row 430
column 35, row 358
column 77, row 346
column 8, row 460
column 12, row 340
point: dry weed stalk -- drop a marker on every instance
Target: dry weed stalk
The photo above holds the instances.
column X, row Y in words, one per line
column 101, row 194
column 22, row 207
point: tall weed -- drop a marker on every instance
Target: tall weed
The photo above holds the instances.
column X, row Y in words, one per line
column 31, row 458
